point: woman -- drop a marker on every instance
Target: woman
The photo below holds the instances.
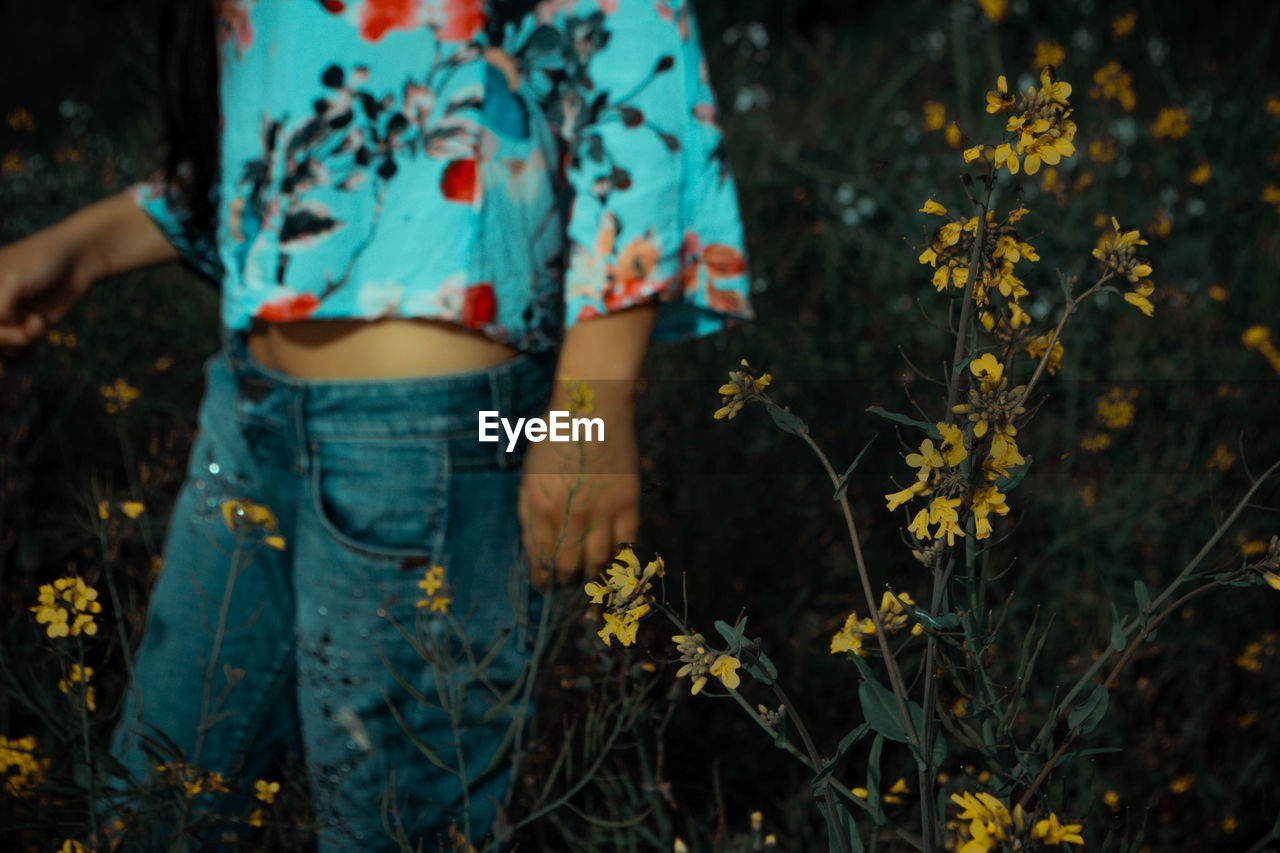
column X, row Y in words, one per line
column 417, row 211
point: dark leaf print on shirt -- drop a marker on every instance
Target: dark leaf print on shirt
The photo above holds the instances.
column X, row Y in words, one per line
column 304, row 225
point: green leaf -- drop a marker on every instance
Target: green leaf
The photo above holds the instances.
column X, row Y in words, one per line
column 1143, row 598
column 880, row 708
column 1087, row 715
column 846, row 821
column 757, row 664
column 873, row 776
column 1117, row 632
column 820, row 779
column 748, row 651
column 844, row 479
column 733, row 635
column 929, row 428
column 1081, row 753
column 1009, row 483
column 950, row 620
column 786, row 421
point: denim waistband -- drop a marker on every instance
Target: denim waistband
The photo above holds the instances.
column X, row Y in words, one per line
column 427, row 407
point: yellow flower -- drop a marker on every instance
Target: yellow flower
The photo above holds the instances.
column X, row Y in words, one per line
column 953, row 135
column 21, row 120
column 253, row 516
column 933, row 207
column 20, row 770
column 953, row 450
column 1112, row 799
column 942, row 512
column 1095, row 442
column 1271, row 195
column 620, row 627
column 725, row 668
column 1222, row 458
column 581, row 397
column 1122, row 25
column 1036, row 349
column 988, row 370
column 132, row 509
column 935, row 115
column 851, row 636
column 1201, row 174
column 1051, row 832
column 1272, row 106
column 999, row 100
column 104, row 510
column 1118, row 253
column 1230, row 824
column 987, row 499
column 927, row 460
column 1048, row 53
column 1182, row 784
column 742, row 385
column 191, row 788
column 255, row 817
column 1116, row 409
column 995, row 10
column 118, row 396
column 70, row 845
column 266, row 791
column 1171, row 123
column 919, row 525
column 1111, row 82
column 216, row 782
column 896, row 790
column 432, row 581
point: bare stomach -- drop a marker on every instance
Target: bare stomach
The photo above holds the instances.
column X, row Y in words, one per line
column 362, row 349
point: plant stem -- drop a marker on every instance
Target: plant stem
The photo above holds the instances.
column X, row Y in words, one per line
column 891, row 664
column 1138, row 637
column 928, row 819
column 88, row 753
column 223, row 611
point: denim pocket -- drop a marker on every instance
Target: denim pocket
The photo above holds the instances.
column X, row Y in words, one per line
column 382, row 497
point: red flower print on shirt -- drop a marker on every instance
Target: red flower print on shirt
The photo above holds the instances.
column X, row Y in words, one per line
column 462, row 20
column 459, row 181
column 479, row 306
column 285, row 309
column 378, row 16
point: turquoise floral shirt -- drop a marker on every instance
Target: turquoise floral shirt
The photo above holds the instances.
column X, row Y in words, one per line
column 512, row 167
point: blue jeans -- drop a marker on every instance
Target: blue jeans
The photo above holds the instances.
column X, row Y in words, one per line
column 370, row 482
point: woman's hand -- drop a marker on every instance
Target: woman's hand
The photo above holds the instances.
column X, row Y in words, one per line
column 579, row 500
column 41, row 277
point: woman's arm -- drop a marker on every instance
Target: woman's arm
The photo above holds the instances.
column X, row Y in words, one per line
column 586, row 504
column 43, row 275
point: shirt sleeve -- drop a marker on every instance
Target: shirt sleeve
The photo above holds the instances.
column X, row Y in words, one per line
column 653, row 211
column 197, row 249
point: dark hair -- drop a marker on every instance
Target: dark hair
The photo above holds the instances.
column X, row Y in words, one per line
column 188, row 66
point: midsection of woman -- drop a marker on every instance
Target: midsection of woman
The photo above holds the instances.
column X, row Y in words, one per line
column 364, row 349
